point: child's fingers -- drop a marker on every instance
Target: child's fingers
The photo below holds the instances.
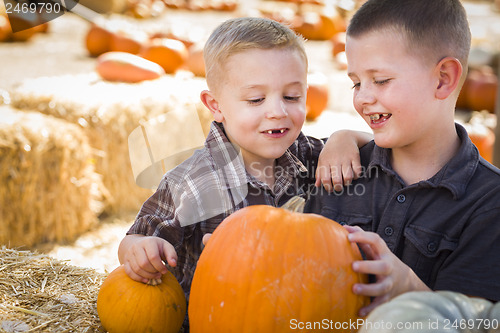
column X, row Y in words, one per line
column 382, row 287
column 137, row 271
column 347, row 174
column 205, row 239
column 375, row 267
column 357, row 168
column 352, row 228
column 133, row 275
column 323, row 177
column 337, row 178
column 169, row 255
column 369, row 238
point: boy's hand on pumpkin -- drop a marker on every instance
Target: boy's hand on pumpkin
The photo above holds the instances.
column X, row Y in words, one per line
column 339, row 161
column 205, row 239
column 393, row 277
column 146, row 257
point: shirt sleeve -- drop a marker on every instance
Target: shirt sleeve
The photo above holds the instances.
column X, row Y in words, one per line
column 157, row 217
column 307, row 150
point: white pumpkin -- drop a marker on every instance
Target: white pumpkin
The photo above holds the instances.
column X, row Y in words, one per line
column 433, row 312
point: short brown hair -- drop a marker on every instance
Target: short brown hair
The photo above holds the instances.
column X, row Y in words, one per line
column 239, row 34
column 434, row 29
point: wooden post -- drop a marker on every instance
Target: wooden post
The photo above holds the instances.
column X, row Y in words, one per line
column 496, row 147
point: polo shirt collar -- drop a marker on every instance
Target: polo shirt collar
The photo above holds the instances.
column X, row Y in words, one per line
column 454, row 176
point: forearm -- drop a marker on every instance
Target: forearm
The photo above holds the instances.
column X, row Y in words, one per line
column 360, row 138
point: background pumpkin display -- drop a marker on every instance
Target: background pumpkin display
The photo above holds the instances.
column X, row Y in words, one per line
column 128, row 306
column 265, row 267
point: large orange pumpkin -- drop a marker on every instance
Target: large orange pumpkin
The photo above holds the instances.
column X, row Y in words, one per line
column 266, row 269
column 128, row 306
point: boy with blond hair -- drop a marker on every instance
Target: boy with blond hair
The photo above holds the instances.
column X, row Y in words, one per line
column 427, row 210
column 255, row 153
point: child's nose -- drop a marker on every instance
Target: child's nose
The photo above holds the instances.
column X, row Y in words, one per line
column 364, row 96
column 277, row 110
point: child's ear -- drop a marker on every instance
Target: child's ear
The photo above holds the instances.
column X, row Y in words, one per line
column 209, row 100
column 449, row 71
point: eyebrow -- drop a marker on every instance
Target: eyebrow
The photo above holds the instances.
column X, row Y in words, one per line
column 253, row 86
column 370, row 71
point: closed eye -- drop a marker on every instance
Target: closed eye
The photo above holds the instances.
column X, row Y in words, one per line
column 292, row 98
column 356, row 85
column 382, row 82
column 255, row 101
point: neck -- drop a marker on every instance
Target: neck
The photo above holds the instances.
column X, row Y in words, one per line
column 262, row 169
column 422, row 160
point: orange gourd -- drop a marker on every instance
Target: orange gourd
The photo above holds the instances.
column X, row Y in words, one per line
column 128, row 306
column 170, row 54
column 126, row 67
column 265, row 269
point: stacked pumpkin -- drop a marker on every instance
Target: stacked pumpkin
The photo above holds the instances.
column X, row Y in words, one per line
column 479, row 93
column 31, row 25
column 131, row 55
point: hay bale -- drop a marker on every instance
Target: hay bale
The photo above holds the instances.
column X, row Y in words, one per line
column 48, row 185
column 108, row 112
column 41, row 294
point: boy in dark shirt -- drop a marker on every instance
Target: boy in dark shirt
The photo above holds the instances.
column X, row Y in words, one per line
column 427, row 210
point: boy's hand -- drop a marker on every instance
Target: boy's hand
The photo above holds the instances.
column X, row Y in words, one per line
column 205, row 239
column 339, row 162
column 393, row 277
column 144, row 257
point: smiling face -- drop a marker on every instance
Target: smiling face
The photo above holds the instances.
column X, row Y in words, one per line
column 261, row 102
column 394, row 90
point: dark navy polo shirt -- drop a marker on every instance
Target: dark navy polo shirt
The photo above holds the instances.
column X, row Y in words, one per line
column 446, row 228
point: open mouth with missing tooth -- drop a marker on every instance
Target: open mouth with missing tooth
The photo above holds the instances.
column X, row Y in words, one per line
column 379, row 117
column 276, row 131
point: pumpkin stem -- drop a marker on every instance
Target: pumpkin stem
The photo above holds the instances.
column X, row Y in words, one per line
column 154, row 282
column 295, row 204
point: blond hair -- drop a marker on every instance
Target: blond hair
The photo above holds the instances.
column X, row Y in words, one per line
column 240, row 34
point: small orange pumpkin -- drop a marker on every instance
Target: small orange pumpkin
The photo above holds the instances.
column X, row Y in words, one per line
column 128, row 306
column 264, row 267
column 130, row 41
column 482, row 86
column 97, row 40
column 170, row 54
column 484, row 139
column 195, row 62
column 317, row 95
